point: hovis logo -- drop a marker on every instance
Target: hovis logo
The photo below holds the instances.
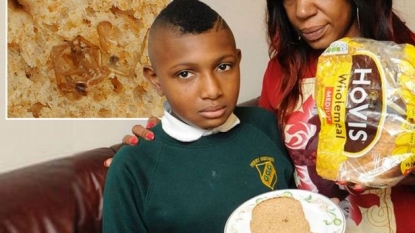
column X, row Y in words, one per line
column 365, row 105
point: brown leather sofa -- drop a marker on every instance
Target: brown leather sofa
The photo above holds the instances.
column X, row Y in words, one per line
column 59, row 196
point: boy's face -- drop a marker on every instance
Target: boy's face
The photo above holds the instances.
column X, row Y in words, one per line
column 198, row 74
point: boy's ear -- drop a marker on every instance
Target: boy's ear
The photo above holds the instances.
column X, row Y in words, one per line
column 152, row 77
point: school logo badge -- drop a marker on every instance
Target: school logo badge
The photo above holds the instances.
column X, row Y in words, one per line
column 266, row 169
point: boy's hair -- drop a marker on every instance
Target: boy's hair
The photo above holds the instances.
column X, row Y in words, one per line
column 189, row 17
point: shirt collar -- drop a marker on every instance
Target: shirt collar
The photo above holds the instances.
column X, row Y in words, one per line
column 183, row 132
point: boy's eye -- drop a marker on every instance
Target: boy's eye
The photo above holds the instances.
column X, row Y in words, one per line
column 224, row 67
column 184, row 74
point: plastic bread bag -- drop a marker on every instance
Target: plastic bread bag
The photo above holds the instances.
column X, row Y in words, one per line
column 365, row 94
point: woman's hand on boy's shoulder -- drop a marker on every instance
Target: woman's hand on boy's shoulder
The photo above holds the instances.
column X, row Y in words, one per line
column 138, row 132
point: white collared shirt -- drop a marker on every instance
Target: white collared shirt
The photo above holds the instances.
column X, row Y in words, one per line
column 183, row 132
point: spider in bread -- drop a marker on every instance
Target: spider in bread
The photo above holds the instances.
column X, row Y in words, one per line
column 79, row 64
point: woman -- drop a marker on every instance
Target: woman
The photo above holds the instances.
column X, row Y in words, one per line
column 298, row 32
column 288, row 90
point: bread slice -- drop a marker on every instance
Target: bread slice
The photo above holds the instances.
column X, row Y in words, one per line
column 279, row 214
column 44, row 82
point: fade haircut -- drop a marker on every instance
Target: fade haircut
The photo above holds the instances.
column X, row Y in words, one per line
column 189, row 17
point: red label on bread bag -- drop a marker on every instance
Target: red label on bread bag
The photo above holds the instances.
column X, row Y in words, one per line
column 364, row 105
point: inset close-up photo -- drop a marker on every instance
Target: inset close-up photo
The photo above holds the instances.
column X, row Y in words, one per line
column 80, row 59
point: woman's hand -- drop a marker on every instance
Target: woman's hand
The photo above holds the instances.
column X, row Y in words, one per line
column 138, row 132
column 409, row 179
column 352, row 187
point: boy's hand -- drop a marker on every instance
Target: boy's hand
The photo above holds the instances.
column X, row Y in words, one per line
column 138, row 132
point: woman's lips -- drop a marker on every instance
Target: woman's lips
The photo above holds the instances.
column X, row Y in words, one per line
column 213, row 112
column 313, row 33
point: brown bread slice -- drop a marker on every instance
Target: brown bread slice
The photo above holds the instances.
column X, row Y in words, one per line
column 279, row 214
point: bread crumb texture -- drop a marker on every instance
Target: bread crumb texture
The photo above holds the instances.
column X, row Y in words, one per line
column 279, row 214
column 80, row 59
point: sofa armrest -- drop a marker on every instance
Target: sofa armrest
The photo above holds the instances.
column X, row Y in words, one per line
column 63, row 195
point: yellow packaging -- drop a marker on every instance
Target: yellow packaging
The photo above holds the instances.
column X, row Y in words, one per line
column 365, row 93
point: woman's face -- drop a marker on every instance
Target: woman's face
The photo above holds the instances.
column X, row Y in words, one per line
column 320, row 22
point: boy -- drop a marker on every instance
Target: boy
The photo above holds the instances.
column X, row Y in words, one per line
column 208, row 157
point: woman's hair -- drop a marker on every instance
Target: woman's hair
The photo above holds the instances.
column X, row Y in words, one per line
column 376, row 21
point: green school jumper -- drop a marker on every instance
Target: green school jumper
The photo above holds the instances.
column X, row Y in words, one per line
column 176, row 187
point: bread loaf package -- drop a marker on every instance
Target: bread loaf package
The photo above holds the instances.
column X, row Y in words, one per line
column 80, row 58
column 365, row 96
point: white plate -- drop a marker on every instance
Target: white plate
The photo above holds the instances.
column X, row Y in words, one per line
column 323, row 215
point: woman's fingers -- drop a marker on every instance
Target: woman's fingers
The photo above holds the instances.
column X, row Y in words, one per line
column 107, row 162
column 335, row 200
column 357, row 188
column 141, row 132
column 130, row 140
column 138, row 132
column 408, row 180
column 151, row 122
